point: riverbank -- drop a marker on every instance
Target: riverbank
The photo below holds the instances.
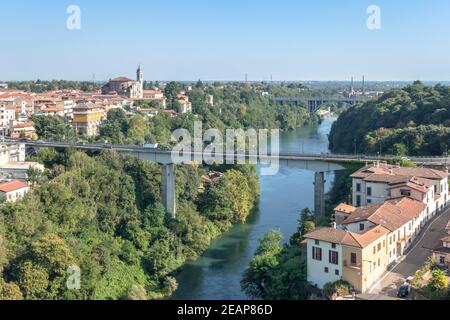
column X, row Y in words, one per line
column 216, row 274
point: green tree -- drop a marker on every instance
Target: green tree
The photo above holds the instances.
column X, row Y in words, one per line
column 438, row 280
column 10, row 291
column 265, row 260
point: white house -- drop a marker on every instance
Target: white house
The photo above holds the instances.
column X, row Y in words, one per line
column 371, row 184
column 13, row 190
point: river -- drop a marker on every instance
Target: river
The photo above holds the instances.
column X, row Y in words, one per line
column 217, row 273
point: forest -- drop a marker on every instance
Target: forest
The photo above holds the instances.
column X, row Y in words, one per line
column 412, row 121
column 103, row 214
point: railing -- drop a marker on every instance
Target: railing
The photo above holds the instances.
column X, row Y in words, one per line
column 352, row 265
column 324, row 156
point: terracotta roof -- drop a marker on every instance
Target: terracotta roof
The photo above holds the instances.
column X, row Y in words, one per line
column 343, row 237
column 12, row 186
column 23, row 125
column 410, row 208
column 333, row 235
column 121, row 79
column 369, row 236
column 387, row 172
column 346, row 208
column 152, row 92
column 385, row 214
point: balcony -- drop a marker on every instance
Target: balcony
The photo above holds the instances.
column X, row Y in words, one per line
column 355, row 266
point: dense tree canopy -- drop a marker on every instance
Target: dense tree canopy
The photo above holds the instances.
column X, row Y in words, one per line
column 104, row 215
column 413, row 121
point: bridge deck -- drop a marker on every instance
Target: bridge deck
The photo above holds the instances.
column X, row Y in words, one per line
column 292, row 156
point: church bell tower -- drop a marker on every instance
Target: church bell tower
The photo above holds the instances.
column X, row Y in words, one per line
column 140, row 81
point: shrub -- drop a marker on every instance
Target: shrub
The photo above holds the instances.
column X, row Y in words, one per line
column 337, row 289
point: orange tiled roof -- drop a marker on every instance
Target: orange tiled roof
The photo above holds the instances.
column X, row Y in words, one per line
column 344, row 237
column 346, row 208
column 388, row 172
column 12, row 186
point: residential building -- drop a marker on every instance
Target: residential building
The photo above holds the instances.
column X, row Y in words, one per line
column 342, row 212
column 442, row 251
column 210, row 100
column 49, row 110
column 365, row 240
column 12, row 191
column 7, row 114
column 184, row 105
column 22, row 129
column 13, row 164
column 334, row 254
column 153, row 94
column 372, row 183
column 150, row 112
column 87, row 118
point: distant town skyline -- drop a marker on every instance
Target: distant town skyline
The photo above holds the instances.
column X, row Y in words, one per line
column 290, row 40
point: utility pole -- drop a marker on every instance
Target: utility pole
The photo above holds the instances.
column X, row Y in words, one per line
column 246, row 77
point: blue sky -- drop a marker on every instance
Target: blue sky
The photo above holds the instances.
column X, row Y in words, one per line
column 222, row 40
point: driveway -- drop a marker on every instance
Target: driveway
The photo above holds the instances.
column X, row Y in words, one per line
column 416, row 257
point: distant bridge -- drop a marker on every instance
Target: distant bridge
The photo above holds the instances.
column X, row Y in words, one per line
column 318, row 163
column 315, row 104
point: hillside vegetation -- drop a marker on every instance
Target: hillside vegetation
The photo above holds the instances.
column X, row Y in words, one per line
column 104, row 215
column 412, row 121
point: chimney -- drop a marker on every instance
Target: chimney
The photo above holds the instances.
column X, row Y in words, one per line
column 333, row 225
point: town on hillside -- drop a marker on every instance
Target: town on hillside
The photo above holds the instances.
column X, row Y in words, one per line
column 85, row 111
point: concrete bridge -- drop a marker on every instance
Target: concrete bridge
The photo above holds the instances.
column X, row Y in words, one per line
column 318, row 163
column 315, row 104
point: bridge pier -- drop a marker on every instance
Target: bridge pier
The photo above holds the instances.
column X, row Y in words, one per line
column 319, row 194
column 168, row 189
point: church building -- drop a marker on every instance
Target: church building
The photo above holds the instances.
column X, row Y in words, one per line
column 124, row 86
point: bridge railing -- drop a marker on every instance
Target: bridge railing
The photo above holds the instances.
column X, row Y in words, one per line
column 356, row 157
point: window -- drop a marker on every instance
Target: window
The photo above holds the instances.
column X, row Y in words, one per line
column 379, row 246
column 317, row 242
column 333, row 257
column 333, row 245
column 358, row 200
column 369, row 191
column 405, row 192
column 441, row 260
column 358, row 187
column 374, row 249
column 361, row 227
column 353, row 259
column 336, row 272
column 317, row 253
column 378, row 261
column 325, row 270
column 384, row 243
column 369, row 200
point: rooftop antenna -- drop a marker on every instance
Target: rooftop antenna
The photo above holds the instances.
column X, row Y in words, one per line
column 271, row 78
column 246, row 77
